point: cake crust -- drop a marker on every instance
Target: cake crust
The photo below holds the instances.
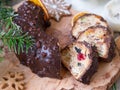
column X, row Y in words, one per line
column 86, row 20
column 101, row 38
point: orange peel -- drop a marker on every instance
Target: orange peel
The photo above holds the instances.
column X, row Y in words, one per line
column 77, row 16
column 39, row 3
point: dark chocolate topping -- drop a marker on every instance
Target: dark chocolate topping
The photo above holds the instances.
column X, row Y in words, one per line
column 31, row 18
column 111, row 53
column 44, row 57
column 92, row 69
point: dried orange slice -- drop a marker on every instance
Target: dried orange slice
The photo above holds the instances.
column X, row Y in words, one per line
column 76, row 17
column 39, row 3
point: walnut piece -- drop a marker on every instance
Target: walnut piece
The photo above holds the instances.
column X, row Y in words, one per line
column 12, row 81
column 57, row 8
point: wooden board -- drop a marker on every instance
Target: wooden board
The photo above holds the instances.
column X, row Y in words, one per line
column 103, row 79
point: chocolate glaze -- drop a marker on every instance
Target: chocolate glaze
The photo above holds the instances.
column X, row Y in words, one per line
column 93, row 57
column 31, row 18
column 93, row 68
column 44, row 57
column 111, row 53
column 91, row 71
column 109, row 41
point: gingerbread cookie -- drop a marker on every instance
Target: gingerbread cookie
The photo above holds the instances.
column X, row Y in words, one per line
column 57, row 8
column 12, row 81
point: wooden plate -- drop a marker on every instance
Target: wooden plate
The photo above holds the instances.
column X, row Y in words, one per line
column 103, row 79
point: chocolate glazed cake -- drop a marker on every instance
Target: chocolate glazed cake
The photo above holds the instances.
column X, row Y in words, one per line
column 44, row 57
column 31, row 18
column 101, row 38
column 81, row 59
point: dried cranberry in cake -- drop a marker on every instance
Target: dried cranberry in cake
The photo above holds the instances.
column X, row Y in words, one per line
column 99, row 37
column 80, row 55
column 83, row 20
column 44, row 57
column 31, row 18
column 84, row 67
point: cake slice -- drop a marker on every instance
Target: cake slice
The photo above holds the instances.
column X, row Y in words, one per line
column 81, row 59
column 83, row 20
column 99, row 37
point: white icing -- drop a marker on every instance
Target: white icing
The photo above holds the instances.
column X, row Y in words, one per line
column 57, row 8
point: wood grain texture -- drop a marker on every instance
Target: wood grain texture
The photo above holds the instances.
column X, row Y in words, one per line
column 103, row 79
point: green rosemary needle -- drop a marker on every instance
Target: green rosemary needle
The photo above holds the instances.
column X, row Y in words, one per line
column 4, row 2
column 11, row 34
column 114, row 87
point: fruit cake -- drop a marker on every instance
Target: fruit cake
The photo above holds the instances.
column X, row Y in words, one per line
column 31, row 18
column 43, row 58
column 99, row 37
column 81, row 59
column 83, row 20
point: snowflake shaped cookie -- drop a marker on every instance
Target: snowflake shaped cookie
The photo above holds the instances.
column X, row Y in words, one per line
column 12, row 81
column 57, row 8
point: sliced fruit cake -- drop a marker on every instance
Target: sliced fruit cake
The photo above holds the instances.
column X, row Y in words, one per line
column 81, row 59
column 84, row 20
column 99, row 37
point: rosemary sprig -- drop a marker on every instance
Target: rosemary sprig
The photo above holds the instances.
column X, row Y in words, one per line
column 4, row 2
column 1, row 55
column 11, row 34
column 114, row 87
